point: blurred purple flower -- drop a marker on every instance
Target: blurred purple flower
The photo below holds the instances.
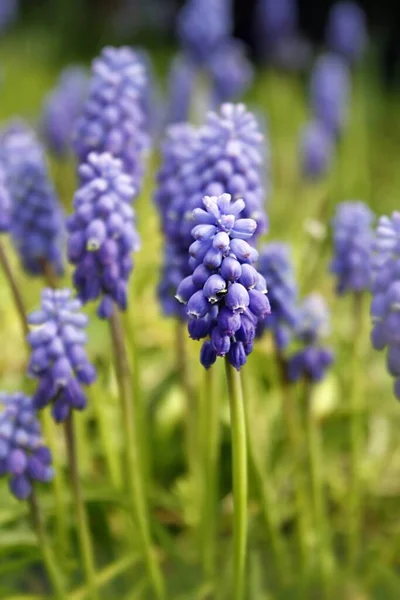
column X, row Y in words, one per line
column 181, row 87
column 8, row 13
column 316, row 149
column 347, row 30
column 231, row 72
column 23, row 456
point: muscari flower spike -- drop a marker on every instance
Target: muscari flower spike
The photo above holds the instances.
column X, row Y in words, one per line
column 316, row 150
column 58, row 358
column 114, row 117
column 353, row 240
column 275, row 266
column 329, row 92
column 24, row 457
column 231, row 72
column 181, row 85
column 5, row 203
column 8, row 13
column 314, row 359
column 36, row 216
column 385, row 306
column 347, row 30
column 61, row 109
column 225, row 296
column 202, row 26
column 102, row 233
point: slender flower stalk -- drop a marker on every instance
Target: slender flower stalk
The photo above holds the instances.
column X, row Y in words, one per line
column 240, row 483
column 48, row 556
column 133, row 458
column 14, row 287
column 81, row 513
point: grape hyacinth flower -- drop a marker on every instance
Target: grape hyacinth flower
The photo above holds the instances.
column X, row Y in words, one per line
column 202, row 26
column 313, row 360
column 276, row 20
column 316, row 149
column 385, row 307
column 353, row 240
column 8, row 13
column 23, row 454
column 114, row 118
column 36, row 219
column 225, row 296
column 275, row 266
column 102, row 233
column 5, row 203
column 181, row 85
column 347, row 30
column 329, row 92
column 58, row 358
column 61, row 109
column 231, row 72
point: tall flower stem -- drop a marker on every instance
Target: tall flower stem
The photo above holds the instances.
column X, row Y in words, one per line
column 315, row 458
column 265, row 493
column 356, row 434
column 209, row 445
column 240, row 483
column 293, row 432
column 132, row 438
column 48, row 557
column 12, row 282
column 189, row 392
column 81, row 514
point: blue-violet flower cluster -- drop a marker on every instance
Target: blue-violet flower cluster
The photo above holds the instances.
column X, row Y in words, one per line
column 58, row 359
column 353, row 239
column 114, row 118
column 102, row 233
column 225, row 296
column 23, row 454
column 314, row 359
column 385, row 307
column 316, row 150
column 347, row 30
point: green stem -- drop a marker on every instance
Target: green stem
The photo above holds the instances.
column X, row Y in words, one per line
column 210, row 436
column 48, row 557
column 316, row 460
column 82, row 518
column 356, row 433
column 17, row 296
column 132, row 438
column 293, row 432
column 240, row 484
column 266, row 496
column 189, row 392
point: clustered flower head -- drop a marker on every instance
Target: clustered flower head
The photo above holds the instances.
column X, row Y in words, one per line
column 23, row 454
column 225, row 296
column 385, row 307
column 225, row 155
column 36, row 216
column 202, row 26
column 5, row 203
column 313, row 360
column 347, row 30
column 58, row 358
column 316, row 150
column 114, row 117
column 102, row 233
column 329, row 91
column 61, row 109
column 275, row 25
column 353, row 239
column 275, row 266
column 8, row 13
column 181, row 84
column 231, row 72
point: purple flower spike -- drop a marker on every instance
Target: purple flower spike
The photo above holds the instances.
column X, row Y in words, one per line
column 181, row 85
column 58, row 358
column 114, row 118
column 316, row 149
column 36, row 216
column 23, row 456
column 61, row 109
column 276, row 267
column 202, row 26
column 353, row 240
column 5, row 203
column 347, row 30
column 231, row 72
column 102, row 233
column 313, row 360
column 225, row 306
column 385, row 307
